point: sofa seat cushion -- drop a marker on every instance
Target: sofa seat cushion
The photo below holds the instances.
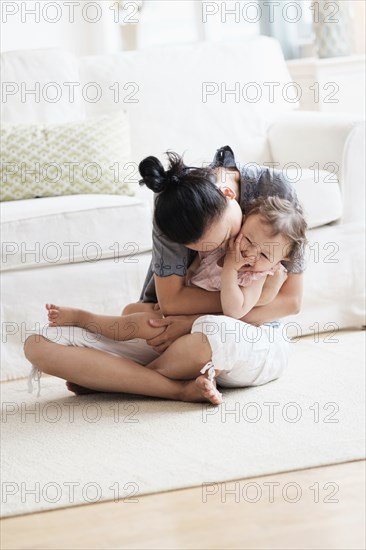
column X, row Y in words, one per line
column 74, row 228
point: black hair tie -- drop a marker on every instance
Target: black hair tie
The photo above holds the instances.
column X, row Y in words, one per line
column 174, row 179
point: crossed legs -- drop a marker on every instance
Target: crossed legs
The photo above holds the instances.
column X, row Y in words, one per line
column 102, row 371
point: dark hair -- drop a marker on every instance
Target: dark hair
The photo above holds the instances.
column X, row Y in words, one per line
column 188, row 200
column 285, row 218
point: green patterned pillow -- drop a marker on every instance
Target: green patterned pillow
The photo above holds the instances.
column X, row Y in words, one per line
column 87, row 156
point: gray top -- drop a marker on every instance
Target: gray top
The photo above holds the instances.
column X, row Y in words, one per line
column 169, row 258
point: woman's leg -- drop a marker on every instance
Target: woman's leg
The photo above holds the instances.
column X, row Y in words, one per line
column 106, row 372
column 183, row 360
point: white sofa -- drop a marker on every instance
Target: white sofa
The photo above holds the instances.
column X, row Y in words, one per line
column 173, row 112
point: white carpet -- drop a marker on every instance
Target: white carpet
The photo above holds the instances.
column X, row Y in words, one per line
column 107, row 446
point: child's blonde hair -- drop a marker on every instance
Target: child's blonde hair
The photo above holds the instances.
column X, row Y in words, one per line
column 285, row 218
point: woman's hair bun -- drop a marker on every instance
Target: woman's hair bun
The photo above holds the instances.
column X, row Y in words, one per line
column 156, row 178
column 153, row 174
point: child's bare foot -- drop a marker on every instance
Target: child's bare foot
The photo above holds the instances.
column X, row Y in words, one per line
column 208, row 390
column 79, row 390
column 59, row 316
column 200, row 390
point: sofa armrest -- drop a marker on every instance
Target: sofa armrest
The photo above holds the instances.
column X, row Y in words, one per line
column 336, row 141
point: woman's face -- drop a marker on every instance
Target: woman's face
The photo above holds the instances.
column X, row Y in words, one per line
column 220, row 231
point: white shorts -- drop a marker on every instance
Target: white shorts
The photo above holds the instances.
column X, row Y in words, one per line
column 136, row 350
column 247, row 355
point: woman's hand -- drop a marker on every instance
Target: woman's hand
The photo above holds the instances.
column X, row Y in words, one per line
column 176, row 326
column 272, row 286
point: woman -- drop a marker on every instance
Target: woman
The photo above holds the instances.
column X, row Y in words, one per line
column 207, row 206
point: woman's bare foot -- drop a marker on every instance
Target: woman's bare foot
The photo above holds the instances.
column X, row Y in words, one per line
column 59, row 316
column 79, row 390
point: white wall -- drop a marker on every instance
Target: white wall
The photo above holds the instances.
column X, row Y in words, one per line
column 68, row 24
column 175, row 21
column 159, row 22
column 62, row 24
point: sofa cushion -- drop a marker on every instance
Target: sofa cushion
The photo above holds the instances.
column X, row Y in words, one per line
column 89, row 156
column 41, row 86
column 76, row 228
column 320, row 195
column 194, row 98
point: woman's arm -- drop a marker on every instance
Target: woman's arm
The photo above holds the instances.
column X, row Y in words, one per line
column 287, row 302
column 272, row 286
column 176, row 299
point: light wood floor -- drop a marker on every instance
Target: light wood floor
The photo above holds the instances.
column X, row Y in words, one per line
column 320, row 508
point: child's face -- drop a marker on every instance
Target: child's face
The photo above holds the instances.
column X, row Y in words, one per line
column 261, row 250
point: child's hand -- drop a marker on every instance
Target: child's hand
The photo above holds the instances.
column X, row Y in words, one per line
column 234, row 258
column 240, row 235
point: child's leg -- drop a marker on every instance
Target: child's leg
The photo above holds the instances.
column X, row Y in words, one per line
column 139, row 307
column 184, row 359
column 103, row 371
column 121, row 328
